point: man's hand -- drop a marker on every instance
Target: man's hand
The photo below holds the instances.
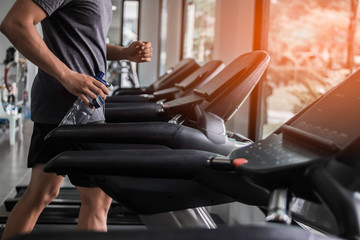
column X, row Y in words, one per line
column 82, row 85
column 139, row 52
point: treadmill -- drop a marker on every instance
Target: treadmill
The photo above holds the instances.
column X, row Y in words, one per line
column 67, row 203
column 198, row 121
column 232, row 85
column 197, row 77
column 128, row 109
column 180, row 71
column 200, row 125
column 121, row 112
column 309, row 169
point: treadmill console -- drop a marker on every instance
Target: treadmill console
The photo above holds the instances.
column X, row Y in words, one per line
column 219, row 81
column 199, row 75
column 237, row 71
column 324, row 129
column 246, row 64
column 326, row 136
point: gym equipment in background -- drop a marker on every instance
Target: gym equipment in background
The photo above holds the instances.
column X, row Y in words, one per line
column 183, row 69
column 149, row 110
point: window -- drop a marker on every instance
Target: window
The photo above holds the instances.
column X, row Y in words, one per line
column 124, row 29
column 163, row 36
column 199, row 30
column 312, row 48
column 130, row 22
column 115, row 25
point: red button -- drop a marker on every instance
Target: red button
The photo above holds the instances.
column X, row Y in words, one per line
column 239, row 161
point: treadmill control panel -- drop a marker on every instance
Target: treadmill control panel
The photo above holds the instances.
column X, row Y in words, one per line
column 324, row 129
column 275, row 153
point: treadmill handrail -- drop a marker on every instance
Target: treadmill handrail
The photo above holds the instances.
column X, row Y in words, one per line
column 131, row 133
column 166, row 135
column 159, row 163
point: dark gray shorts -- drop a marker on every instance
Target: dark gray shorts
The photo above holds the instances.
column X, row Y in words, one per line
column 41, row 152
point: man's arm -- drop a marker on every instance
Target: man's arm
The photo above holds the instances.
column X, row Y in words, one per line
column 19, row 27
column 136, row 52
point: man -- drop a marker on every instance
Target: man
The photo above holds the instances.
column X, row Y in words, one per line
column 73, row 50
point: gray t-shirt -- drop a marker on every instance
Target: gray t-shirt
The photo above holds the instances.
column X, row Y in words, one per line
column 75, row 31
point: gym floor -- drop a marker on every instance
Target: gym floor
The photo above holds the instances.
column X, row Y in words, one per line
column 13, row 169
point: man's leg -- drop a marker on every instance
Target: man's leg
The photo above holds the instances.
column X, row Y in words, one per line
column 94, row 208
column 42, row 189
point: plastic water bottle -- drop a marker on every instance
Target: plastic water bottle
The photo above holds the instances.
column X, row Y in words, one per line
column 80, row 113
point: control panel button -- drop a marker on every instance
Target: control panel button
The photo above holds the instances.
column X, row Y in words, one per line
column 239, row 161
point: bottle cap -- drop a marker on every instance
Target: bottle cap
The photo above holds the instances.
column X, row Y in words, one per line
column 98, row 102
column 99, row 76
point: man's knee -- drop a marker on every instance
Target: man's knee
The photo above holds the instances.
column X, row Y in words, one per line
column 94, row 198
column 41, row 196
column 43, row 187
